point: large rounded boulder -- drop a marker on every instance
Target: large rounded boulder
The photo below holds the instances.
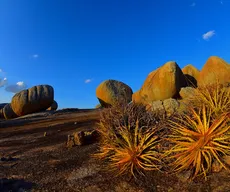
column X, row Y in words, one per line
column 191, row 74
column 110, row 92
column 35, row 99
column 8, row 113
column 215, row 70
column 53, row 107
column 163, row 83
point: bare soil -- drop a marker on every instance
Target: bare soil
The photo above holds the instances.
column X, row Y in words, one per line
column 34, row 161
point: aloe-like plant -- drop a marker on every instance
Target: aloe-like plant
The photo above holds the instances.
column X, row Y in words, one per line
column 129, row 140
column 216, row 97
column 198, row 140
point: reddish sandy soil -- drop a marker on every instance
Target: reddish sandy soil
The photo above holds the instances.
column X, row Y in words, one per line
column 44, row 163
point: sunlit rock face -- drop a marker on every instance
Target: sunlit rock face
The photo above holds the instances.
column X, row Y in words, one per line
column 35, row 99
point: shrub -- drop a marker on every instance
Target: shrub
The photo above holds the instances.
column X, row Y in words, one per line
column 198, row 140
column 216, row 97
column 129, row 139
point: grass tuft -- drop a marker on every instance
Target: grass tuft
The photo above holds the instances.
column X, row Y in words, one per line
column 216, row 97
column 129, row 140
column 198, row 140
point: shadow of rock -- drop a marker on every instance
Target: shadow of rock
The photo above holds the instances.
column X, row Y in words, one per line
column 191, row 81
column 8, row 159
column 15, row 185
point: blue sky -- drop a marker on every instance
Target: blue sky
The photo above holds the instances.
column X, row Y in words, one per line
column 74, row 45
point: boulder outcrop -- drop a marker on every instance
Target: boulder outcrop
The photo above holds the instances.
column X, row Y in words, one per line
column 191, row 75
column 110, row 92
column 215, row 70
column 35, row 99
column 161, row 84
column 53, row 107
column 8, row 113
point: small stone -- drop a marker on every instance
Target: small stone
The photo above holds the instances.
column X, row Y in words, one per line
column 53, row 107
column 187, row 92
column 227, row 159
column 216, row 167
column 157, row 107
column 184, row 176
column 170, row 106
column 70, row 142
column 79, row 138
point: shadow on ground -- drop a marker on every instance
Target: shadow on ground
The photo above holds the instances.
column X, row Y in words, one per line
column 15, row 185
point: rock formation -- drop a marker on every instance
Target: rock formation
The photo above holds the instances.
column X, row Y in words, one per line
column 161, row 84
column 35, row 99
column 8, row 113
column 53, row 107
column 215, row 70
column 191, row 75
column 110, row 92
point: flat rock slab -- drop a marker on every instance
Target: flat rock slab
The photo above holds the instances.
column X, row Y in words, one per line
column 43, row 163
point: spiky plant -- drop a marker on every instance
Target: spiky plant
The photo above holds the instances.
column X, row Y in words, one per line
column 129, row 140
column 198, row 141
column 216, row 97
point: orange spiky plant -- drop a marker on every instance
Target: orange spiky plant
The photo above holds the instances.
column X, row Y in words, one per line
column 198, row 140
column 216, row 97
column 129, row 140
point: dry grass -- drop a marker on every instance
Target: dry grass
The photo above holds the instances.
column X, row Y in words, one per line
column 129, row 139
column 198, row 140
column 132, row 139
column 216, row 97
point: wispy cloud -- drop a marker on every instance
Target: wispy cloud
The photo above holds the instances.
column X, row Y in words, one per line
column 193, row 4
column 3, row 82
column 208, row 35
column 221, row 2
column 2, row 73
column 10, row 87
column 35, row 56
column 88, row 80
column 19, row 86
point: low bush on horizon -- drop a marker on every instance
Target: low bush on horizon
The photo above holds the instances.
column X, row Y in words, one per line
column 129, row 140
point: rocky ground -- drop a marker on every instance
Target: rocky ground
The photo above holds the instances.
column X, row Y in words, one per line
column 34, row 157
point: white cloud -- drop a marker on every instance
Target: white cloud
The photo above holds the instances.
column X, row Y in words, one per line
column 208, row 35
column 3, row 82
column 193, row 4
column 35, row 56
column 221, row 2
column 20, row 83
column 88, row 80
column 19, row 86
